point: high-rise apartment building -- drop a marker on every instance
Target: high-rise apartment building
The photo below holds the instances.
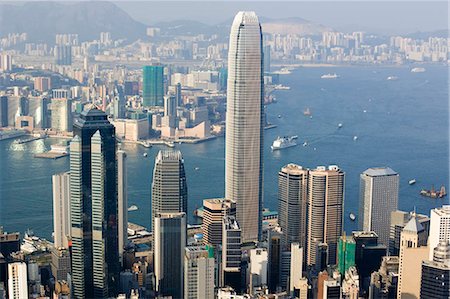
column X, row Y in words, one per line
column 296, row 271
column 63, row 54
column 61, row 209
column 199, row 272
column 213, row 212
column 170, row 241
column 378, row 198
column 122, row 201
column 245, row 123
column 169, row 188
column 17, row 281
column 153, row 85
column 325, row 209
column 42, row 83
column 94, row 215
column 292, row 198
column 439, row 227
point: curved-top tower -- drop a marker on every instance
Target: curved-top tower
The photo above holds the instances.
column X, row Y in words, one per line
column 244, row 123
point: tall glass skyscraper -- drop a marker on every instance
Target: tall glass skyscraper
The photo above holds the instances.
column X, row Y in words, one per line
column 93, row 195
column 153, row 85
column 245, row 123
column 169, row 188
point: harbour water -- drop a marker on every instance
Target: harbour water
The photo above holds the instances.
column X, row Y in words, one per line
column 400, row 123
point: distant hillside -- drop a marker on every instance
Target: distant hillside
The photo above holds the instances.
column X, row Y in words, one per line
column 425, row 35
column 42, row 20
column 293, row 26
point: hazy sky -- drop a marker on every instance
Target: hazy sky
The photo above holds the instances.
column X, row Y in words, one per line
column 380, row 16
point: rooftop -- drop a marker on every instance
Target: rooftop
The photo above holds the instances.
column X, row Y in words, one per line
column 379, row 171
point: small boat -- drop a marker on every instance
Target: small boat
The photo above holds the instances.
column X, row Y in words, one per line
column 412, row 182
column 305, row 143
column 196, row 168
column 352, row 216
column 329, row 76
column 418, row 70
column 365, row 111
column 133, row 208
column 340, row 125
column 146, row 144
column 355, row 138
column 307, row 112
column 145, row 154
column 392, row 78
column 279, row 115
column 170, row 144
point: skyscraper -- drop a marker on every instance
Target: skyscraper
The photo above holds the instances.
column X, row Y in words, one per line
column 378, row 198
column 122, row 200
column 61, row 209
column 169, row 188
column 245, row 123
column 93, row 196
column 398, row 221
column 292, row 197
column 213, row 212
column 439, row 227
column 231, row 253
column 61, row 114
column 413, row 251
column 199, row 272
column 17, row 281
column 325, row 208
column 435, row 282
column 153, row 85
column 170, row 241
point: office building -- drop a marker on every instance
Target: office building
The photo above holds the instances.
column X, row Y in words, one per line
column 378, row 198
column 61, row 209
column 245, row 123
column 170, row 112
column 331, row 289
column 296, row 273
column 61, row 114
column 368, row 256
column 267, row 53
column 93, row 196
column 169, row 188
column 122, row 200
column 274, row 252
column 346, row 253
column 9, row 242
column 213, row 212
column 170, row 241
column 435, row 282
column 231, row 253
column 153, row 85
column 3, row 111
column 17, row 281
column 60, row 264
column 384, row 282
column 325, row 209
column 413, row 250
column 292, row 198
column 199, row 272
column 439, row 227
column 398, row 221
column 259, row 262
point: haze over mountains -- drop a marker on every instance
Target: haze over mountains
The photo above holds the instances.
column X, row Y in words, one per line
column 42, row 20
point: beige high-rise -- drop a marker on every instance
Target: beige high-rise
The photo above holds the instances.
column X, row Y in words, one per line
column 213, row 212
column 325, row 207
column 244, row 123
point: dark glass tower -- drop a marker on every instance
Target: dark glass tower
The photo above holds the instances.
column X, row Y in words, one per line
column 153, row 85
column 93, row 192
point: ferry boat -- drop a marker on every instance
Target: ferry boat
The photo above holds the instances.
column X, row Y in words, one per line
column 412, row 182
column 433, row 193
column 352, row 216
column 307, row 112
column 329, row 76
column 133, row 208
column 418, row 70
column 281, row 87
column 283, row 71
column 284, row 142
column 392, row 78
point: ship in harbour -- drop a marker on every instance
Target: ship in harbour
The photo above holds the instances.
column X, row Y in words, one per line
column 432, row 193
column 329, row 76
column 284, row 142
column 418, row 70
column 307, row 112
